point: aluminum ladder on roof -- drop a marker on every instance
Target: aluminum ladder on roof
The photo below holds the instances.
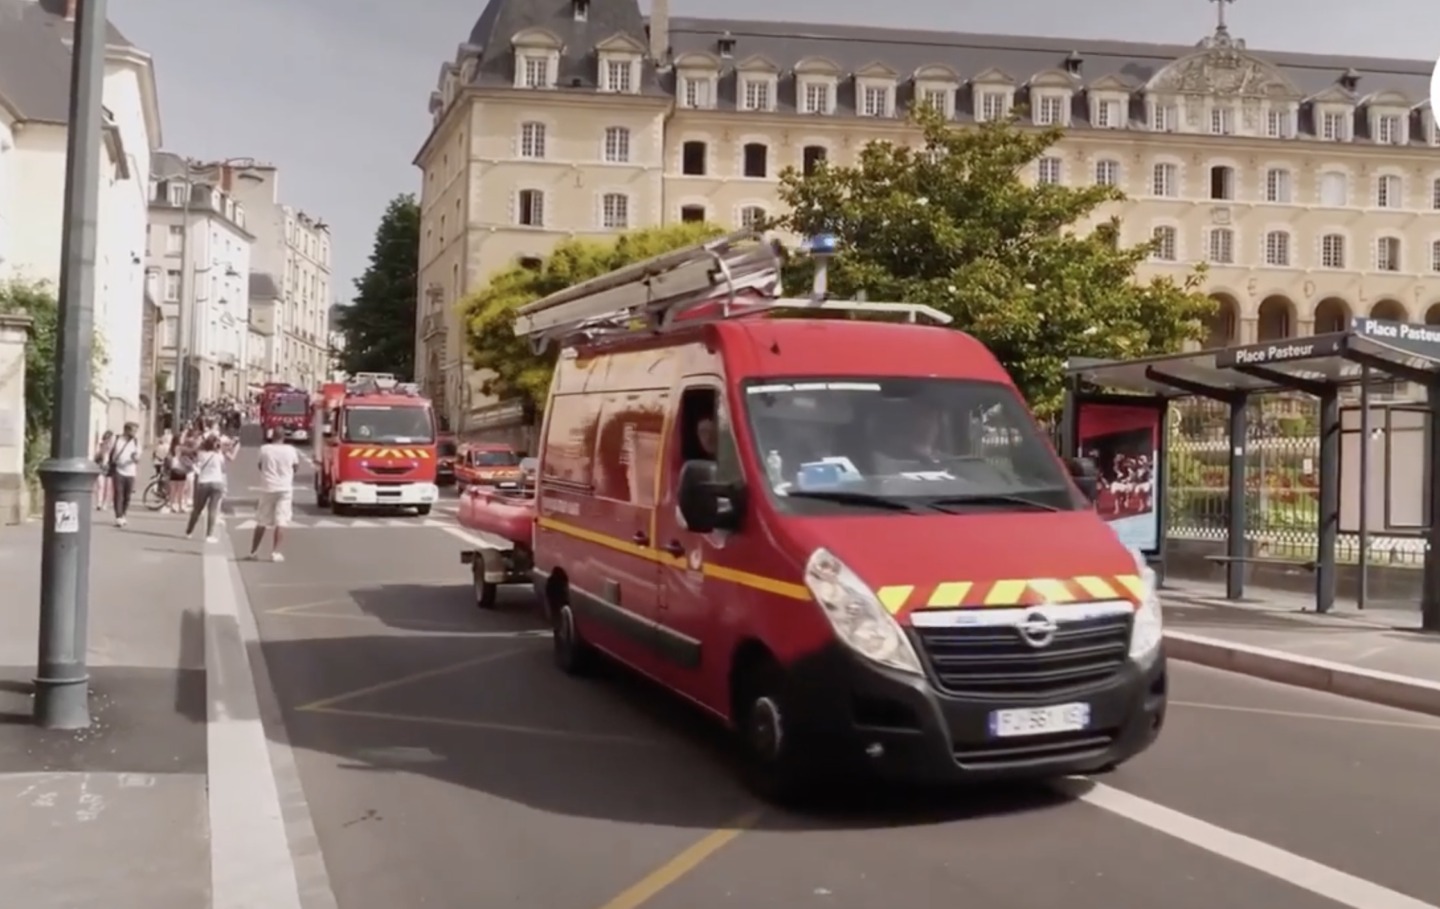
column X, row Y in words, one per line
column 730, row 276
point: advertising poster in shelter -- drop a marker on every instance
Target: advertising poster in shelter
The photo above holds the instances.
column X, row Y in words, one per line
column 1124, row 443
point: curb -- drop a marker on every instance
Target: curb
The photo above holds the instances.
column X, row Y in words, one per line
column 1387, row 688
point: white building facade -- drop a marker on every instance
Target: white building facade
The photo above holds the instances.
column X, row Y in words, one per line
column 33, row 133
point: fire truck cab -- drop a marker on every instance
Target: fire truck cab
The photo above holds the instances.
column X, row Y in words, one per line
column 283, row 407
column 375, row 446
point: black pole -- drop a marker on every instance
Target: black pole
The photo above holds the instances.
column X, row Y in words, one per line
column 1430, row 596
column 1235, row 530
column 1362, row 593
column 62, row 679
column 1328, row 531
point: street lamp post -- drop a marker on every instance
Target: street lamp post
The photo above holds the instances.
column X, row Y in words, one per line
column 62, row 677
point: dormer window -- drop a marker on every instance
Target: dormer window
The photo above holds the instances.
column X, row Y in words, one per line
column 757, row 84
column 1389, row 118
column 993, row 105
column 620, row 64
column 1107, row 114
column 1389, row 130
column 537, row 58
column 618, row 76
column 726, row 45
column 935, row 88
column 1049, row 110
column 993, row 94
column 1334, row 126
column 581, row 10
column 695, row 80
column 816, row 82
column 875, row 91
column 755, row 94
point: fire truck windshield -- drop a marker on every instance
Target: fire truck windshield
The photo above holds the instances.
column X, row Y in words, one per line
column 389, row 425
column 289, row 405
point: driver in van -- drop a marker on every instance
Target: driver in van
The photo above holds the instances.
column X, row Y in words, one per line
column 906, row 439
column 706, row 435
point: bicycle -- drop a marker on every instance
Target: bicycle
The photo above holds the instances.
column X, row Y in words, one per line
column 157, row 492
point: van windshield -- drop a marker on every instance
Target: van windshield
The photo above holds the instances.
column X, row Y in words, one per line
column 903, row 445
column 389, row 425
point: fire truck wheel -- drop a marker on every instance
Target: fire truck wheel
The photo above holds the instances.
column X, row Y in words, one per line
column 487, row 596
column 422, row 510
column 572, row 654
column 339, row 510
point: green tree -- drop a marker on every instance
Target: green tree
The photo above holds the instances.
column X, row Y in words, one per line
column 36, row 300
column 489, row 315
column 379, row 328
column 954, row 225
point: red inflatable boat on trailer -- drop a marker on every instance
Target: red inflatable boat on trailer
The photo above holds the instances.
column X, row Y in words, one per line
column 504, row 524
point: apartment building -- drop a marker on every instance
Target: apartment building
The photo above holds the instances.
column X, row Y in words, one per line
column 198, row 262
column 1309, row 183
column 293, row 251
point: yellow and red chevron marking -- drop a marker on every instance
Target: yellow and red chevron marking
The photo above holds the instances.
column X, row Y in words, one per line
column 900, row 598
column 391, row 454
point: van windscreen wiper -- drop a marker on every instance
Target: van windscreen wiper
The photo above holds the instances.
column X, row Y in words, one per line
column 849, row 497
column 981, row 498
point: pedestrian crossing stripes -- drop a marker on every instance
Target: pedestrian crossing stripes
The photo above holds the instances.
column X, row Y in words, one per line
column 307, row 523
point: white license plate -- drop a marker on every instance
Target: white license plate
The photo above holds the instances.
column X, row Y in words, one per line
column 1039, row 720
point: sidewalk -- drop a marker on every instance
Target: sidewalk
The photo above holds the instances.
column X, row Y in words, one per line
column 1378, row 654
column 115, row 815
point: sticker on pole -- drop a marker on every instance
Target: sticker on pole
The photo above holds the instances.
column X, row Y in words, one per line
column 67, row 517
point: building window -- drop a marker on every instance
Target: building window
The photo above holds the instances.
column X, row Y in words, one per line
column 756, row 94
column 692, row 214
column 692, row 159
column 1222, row 246
column 992, row 106
column 172, row 286
column 1277, row 186
column 1277, row 248
column 532, row 140
column 1165, row 181
column 1050, row 111
column 1107, row 172
column 1332, row 127
column 617, row 76
column 816, row 99
column 1165, row 241
column 752, row 217
column 697, row 94
column 1279, row 124
column 1334, row 190
column 174, row 240
column 756, row 159
column 178, row 192
column 1222, row 121
column 1222, row 182
column 1387, row 191
column 935, row 99
column 536, row 72
column 1107, row 115
column 531, row 210
column 617, row 145
column 811, row 158
column 1164, row 118
column 615, row 211
column 874, row 101
column 1435, row 256
column 1435, row 195
column 1048, row 171
column 1332, row 251
column 1387, row 254
column 1389, row 130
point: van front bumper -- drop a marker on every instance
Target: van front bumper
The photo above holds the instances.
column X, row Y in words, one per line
column 855, row 715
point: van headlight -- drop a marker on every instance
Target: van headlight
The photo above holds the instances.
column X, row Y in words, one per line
column 1147, row 631
column 857, row 615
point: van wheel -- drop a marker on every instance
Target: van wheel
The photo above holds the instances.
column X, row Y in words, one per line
column 422, row 510
column 572, row 654
column 774, row 765
column 487, row 596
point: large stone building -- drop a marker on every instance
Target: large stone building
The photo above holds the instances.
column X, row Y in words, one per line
column 1309, row 183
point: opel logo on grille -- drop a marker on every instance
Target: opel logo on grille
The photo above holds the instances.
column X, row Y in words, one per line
column 1037, row 629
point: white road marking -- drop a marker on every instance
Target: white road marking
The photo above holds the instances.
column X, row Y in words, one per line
column 357, row 524
column 1320, row 717
column 1322, row 880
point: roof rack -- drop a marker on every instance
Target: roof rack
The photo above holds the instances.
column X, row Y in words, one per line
column 728, row 277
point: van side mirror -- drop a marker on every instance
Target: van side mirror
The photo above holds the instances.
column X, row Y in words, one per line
column 1086, row 476
column 705, row 503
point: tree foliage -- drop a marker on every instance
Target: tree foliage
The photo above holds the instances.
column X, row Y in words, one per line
column 379, row 328
column 955, row 225
column 36, row 300
column 489, row 315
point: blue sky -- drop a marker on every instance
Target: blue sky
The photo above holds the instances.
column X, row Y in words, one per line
column 334, row 91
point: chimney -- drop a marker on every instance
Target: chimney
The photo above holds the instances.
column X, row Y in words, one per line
column 227, row 178
column 70, row 10
column 660, row 31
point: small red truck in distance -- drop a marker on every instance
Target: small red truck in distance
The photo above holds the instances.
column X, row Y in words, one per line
column 285, row 407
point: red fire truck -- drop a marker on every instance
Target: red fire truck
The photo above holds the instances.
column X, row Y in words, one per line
column 285, row 407
column 374, row 446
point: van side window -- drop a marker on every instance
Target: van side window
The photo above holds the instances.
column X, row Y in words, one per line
column 705, row 433
column 570, row 440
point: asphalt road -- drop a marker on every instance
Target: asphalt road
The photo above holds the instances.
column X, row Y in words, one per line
column 448, row 764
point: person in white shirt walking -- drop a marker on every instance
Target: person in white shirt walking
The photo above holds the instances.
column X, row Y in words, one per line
column 278, row 464
column 210, row 484
column 124, row 457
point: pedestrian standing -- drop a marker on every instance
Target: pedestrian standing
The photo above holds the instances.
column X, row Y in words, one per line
column 103, row 486
column 124, row 457
column 210, row 484
column 278, row 464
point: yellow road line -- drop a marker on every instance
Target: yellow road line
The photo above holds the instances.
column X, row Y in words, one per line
column 406, row 680
column 648, row 887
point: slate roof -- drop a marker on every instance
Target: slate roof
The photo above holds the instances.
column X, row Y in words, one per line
column 503, row 19
column 35, row 58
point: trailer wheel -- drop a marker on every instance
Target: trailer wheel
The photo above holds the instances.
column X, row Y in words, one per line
column 487, row 596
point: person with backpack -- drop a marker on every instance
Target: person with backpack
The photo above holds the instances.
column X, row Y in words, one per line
column 122, row 467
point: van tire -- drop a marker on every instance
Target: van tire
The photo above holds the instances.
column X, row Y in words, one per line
column 773, row 766
column 572, row 654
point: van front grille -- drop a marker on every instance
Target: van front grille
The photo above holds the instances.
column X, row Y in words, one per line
column 993, row 662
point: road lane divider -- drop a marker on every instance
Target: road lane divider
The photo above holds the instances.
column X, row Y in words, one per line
column 402, row 681
column 648, row 887
column 1372, row 685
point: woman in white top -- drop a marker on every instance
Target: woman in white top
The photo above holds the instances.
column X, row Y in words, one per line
column 209, row 484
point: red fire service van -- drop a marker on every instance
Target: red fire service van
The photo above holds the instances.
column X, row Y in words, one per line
column 847, row 539
column 374, row 446
column 285, row 407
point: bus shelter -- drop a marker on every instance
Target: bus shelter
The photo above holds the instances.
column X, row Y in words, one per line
column 1120, row 409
